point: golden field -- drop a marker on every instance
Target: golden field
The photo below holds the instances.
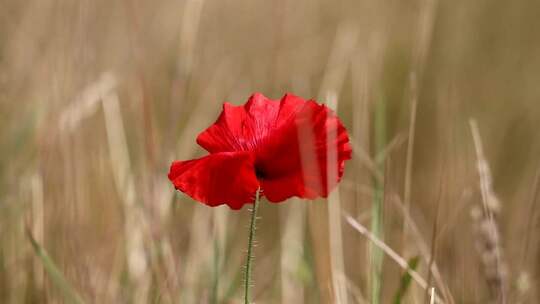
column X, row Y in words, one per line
column 441, row 100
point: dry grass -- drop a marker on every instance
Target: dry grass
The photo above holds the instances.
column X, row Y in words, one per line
column 97, row 97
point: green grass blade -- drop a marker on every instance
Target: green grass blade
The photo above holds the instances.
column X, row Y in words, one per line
column 406, row 280
column 214, row 292
column 233, row 286
column 54, row 273
column 377, row 208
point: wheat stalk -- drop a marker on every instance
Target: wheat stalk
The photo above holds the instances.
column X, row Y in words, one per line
column 487, row 228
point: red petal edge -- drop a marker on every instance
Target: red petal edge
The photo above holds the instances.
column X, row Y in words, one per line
column 241, row 128
column 306, row 154
column 216, row 179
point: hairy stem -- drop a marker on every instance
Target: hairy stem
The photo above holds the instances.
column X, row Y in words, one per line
column 251, row 238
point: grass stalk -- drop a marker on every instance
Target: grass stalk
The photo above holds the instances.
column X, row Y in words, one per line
column 391, row 253
column 487, row 226
column 215, row 274
column 293, row 251
column 377, row 204
column 334, row 217
column 58, row 279
column 410, row 151
column 251, row 240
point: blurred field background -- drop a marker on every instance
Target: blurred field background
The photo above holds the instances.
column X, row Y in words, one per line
column 98, row 97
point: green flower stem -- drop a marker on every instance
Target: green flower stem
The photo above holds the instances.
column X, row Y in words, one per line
column 251, row 238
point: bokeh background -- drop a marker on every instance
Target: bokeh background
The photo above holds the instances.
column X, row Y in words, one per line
column 98, row 97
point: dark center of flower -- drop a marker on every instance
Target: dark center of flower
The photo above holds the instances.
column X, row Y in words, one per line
column 259, row 172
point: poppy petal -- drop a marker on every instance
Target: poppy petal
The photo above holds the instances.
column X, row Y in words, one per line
column 288, row 108
column 241, row 128
column 220, row 178
column 305, row 155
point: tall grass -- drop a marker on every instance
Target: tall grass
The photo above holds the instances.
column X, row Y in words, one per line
column 377, row 209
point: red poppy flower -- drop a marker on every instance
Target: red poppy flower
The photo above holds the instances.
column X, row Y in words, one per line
column 288, row 147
